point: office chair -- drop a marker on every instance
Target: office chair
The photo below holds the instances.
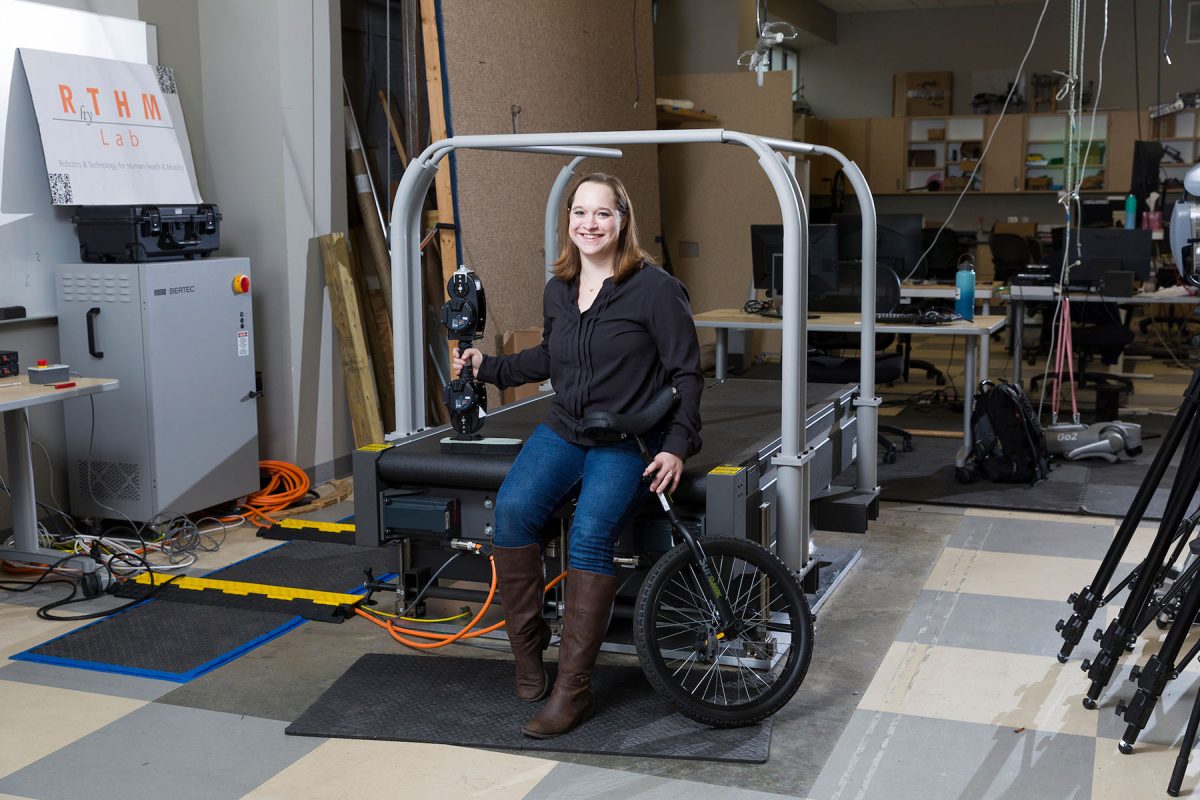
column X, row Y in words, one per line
column 1010, row 255
column 826, row 367
column 1096, row 330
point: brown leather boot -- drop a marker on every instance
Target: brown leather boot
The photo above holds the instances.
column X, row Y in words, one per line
column 589, row 605
column 522, row 589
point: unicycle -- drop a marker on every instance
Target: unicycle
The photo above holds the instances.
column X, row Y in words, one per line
column 722, row 628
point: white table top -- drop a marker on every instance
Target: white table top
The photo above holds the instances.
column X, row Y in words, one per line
column 18, row 392
column 847, row 322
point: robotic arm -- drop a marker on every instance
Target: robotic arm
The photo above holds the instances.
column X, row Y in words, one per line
column 1185, row 229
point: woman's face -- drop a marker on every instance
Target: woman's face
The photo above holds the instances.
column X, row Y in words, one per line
column 594, row 224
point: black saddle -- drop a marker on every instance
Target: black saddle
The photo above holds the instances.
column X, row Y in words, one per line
column 605, row 426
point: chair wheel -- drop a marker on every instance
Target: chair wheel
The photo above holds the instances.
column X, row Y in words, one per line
column 889, row 457
column 907, row 446
column 962, row 475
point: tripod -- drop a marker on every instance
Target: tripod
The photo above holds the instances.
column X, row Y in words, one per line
column 1090, row 598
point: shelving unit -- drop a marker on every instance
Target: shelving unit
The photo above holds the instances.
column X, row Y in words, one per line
column 1179, row 133
column 1046, row 152
column 943, row 150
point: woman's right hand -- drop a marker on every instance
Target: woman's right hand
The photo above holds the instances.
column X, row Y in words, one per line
column 471, row 356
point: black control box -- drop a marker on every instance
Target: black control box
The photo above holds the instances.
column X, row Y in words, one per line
column 8, row 364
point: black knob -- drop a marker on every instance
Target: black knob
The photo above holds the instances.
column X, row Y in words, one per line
column 1086, row 665
column 1074, row 596
column 1120, row 709
column 1097, row 635
column 1135, row 673
column 1058, row 626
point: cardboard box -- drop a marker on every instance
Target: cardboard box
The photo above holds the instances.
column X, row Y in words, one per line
column 515, row 342
column 922, row 94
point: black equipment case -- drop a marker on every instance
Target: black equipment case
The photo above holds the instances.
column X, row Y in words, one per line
column 147, row 233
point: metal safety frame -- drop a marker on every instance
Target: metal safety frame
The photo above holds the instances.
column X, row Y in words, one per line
column 793, row 492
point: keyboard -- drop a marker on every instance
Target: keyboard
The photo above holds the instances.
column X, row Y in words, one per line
column 897, row 317
column 916, row 317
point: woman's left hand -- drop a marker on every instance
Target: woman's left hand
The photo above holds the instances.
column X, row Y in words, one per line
column 666, row 469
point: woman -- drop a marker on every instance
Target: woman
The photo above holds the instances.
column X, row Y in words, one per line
column 616, row 329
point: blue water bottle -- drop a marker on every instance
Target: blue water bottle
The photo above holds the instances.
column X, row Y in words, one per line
column 964, row 306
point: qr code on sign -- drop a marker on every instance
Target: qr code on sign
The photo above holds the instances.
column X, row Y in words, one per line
column 166, row 79
column 60, row 189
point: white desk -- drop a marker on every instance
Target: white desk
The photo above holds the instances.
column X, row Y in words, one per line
column 976, row 332
column 16, row 396
column 1020, row 295
column 948, row 291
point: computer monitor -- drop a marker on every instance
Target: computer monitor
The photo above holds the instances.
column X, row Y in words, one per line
column 1103, row 250
column 766, row 258
column 1111, row 249
column 1097, row 212
column 898, row 239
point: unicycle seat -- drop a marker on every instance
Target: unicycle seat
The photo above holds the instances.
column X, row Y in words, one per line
column 606, row 426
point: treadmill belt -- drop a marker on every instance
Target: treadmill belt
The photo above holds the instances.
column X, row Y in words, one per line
column 471, row 702
column 183, row 635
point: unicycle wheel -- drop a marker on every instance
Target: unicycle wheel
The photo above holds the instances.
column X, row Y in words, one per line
column 725, row 678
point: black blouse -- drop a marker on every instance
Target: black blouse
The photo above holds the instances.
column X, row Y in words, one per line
column 637, row 337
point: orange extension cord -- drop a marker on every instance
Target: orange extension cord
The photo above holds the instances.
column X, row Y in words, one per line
column 288, row 484
column 443, row 639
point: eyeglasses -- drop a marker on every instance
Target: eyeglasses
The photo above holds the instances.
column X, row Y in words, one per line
column 758, row 306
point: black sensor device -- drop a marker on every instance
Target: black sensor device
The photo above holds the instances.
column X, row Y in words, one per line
column 464, row 315
column 8, row 364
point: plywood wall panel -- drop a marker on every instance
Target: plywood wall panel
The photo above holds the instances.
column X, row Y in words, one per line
column 569, row 65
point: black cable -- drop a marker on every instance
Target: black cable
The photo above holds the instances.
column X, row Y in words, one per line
column 44, row 611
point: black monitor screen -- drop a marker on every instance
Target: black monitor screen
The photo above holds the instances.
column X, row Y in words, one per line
column 1103, row 250
column 898, row 239
column 1097, row 212
column 766, row 252
column 1110, row 249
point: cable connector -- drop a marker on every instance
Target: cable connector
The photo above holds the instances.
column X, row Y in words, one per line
column 467, row 545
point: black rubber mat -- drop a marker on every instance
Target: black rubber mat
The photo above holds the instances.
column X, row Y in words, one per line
column 470, row 702
column 179, row 640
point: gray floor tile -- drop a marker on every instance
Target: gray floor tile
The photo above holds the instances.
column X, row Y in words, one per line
column 84, row 680
column 581, row 782
column 164, row 751
column 985, row 622
column 898, row 757
column 1083, row 539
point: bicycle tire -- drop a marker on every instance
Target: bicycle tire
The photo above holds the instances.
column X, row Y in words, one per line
column 665, row 599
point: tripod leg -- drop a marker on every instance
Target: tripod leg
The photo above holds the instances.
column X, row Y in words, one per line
column 1123, row 628
column 1160, row 668
column 1086, row 602
column 1185, row 749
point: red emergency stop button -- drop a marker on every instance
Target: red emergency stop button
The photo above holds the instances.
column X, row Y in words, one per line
column 241, row 284
column 42, row 362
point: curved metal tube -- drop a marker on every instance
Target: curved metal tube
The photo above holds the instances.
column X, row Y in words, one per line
column 792, row 469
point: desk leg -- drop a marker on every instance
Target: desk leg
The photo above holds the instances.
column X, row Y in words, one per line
column 960, row 459
column 985, row 344
column 1017, row 310
column 20, row 482
column 987, row 306
column 722, row 352
column 24, row 499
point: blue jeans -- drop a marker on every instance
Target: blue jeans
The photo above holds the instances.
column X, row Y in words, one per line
column 546, row 470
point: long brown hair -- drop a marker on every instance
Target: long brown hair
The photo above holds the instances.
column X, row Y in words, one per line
column 629, row 257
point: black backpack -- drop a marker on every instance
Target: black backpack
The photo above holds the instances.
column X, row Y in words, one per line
column 1009, row 445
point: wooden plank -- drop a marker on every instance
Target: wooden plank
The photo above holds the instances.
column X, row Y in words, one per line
column 437, row 130
column 381, row 261
column 396, row 140
column 356, row 366
column 373, row 307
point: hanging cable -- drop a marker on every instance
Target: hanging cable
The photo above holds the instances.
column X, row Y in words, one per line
column 987, row 145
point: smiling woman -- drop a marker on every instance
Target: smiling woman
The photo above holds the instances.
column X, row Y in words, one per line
column 617, row 328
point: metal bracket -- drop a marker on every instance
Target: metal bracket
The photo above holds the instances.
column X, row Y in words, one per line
column 860, row 401
column 799, row 461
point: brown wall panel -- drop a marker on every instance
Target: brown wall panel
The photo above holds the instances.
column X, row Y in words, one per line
column 569, row 65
